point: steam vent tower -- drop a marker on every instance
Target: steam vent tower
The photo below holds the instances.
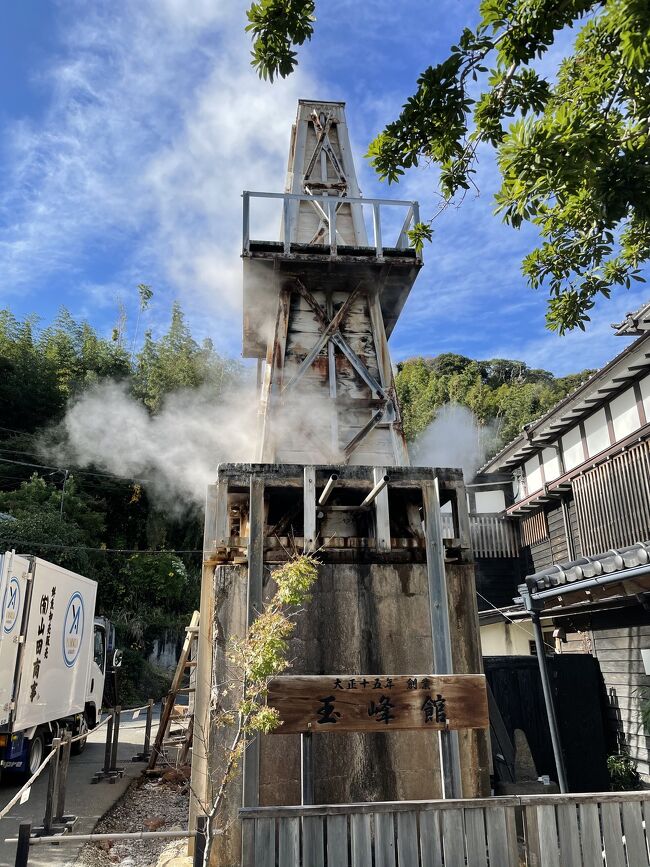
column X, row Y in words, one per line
column 392, row 597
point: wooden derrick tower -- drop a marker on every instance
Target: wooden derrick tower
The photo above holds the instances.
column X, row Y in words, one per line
column 333, row 476
column 320, row 304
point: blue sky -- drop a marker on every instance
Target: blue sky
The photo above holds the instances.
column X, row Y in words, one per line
column 129, row 129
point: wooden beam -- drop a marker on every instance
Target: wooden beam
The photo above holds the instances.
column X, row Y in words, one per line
column 275, row 352
column 382, row 514
column 309, row 509
column 251, row 769
column 440, row 629
column 386, row 378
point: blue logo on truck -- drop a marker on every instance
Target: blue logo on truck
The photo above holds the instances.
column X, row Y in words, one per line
column 11, row 606
column 73, row 629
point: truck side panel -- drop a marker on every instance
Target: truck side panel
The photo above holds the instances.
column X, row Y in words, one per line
column 58, row 646
column 13, row 591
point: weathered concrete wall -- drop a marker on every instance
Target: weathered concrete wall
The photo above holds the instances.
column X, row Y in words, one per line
column 368, row 619
column 229, row 620
column 371, row 619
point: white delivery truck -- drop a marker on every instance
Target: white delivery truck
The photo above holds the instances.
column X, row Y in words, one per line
column 54, row 655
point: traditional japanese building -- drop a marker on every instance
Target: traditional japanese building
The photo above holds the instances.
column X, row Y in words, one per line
column 580, row 496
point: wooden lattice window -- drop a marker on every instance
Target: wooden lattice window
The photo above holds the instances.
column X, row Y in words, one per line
column 534, row 528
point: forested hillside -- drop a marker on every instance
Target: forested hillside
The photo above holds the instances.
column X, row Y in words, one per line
column 507, row 393
column 144, row 554
column 147, row 563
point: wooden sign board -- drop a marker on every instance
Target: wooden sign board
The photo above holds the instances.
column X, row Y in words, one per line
column 370, row 703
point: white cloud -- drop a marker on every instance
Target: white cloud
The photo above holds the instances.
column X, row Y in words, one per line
column 156, row 124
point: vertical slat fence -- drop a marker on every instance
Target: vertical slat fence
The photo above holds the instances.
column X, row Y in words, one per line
column 607, row 830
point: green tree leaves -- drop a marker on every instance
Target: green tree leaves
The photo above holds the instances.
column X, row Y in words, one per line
column 573, row 150
column 275, row 26
column 505, row 393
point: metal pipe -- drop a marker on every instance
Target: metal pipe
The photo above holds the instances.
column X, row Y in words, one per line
column 97, row 838
column 327, row 490
column 372, row 496
column 306, row 770
column 548, row 701
column 588, row 583
column 347, row 200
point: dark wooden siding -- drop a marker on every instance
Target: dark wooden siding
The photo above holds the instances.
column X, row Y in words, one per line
column 555, row 548
column 577, row 692
column 557, row 535
column 574, row 529
column 613, row 501
column 618, row 650
column 497, row 581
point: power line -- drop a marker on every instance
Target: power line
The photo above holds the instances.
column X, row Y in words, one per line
column 148, row 551
column 510, row 620
column 76, row 470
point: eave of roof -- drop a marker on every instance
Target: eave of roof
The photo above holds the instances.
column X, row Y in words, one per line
column 625, row 571
column 570, row 409
column 635, row 322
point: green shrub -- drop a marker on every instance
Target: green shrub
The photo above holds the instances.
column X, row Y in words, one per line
column 623, row 775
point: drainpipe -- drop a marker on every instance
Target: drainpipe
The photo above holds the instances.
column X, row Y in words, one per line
column 533, row 607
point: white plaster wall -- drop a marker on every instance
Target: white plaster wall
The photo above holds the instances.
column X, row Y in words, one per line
column 552, row 468
column 490, row 501
column 597, row 433
column 625, row 414
column 645, row 394
column 533, row 476
column 507, row 639
column 572, row 448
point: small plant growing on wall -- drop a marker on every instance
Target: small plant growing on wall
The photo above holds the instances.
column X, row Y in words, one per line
column 253, row 660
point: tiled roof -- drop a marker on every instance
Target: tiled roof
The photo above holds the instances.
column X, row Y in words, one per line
column 635, row 323
column 607, row 563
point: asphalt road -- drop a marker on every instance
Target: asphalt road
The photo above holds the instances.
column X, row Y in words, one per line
column 84, row 799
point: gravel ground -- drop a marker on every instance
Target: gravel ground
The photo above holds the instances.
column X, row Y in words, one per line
column 147, row 805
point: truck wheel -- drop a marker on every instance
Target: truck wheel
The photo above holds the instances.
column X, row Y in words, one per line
column 79, row 746
column 35, row 754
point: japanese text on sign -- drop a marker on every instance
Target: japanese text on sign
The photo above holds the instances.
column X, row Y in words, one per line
column 379, row 703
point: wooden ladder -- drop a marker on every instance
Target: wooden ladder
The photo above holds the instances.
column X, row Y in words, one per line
column 186, row 661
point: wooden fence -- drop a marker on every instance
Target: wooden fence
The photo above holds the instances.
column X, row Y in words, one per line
column 492, row 536
column 611, row 829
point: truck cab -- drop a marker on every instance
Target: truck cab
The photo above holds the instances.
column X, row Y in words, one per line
column 104, row 661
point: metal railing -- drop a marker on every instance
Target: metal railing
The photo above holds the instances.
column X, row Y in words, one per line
column 328, row 207
column 57, row 826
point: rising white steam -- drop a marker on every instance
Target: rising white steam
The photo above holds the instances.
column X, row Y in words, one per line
column 175, row 452
column 454, row 439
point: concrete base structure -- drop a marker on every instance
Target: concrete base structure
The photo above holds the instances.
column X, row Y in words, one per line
column 372, row 619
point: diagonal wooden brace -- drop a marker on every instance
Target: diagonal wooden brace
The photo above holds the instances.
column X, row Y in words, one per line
column 338, row 339
column 326, row 335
